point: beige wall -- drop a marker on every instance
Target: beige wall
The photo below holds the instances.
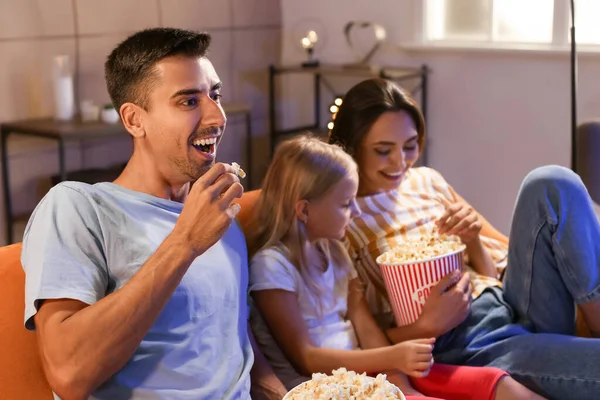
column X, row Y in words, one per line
column 493, row 115
column 246, row 39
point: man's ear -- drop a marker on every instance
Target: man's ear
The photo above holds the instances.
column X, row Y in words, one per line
column 132, row 117
column 302, row 210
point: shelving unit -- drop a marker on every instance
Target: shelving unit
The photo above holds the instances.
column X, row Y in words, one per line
column 320, row 75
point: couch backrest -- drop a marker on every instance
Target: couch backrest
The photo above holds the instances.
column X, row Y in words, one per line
column 247, row 202
column 21, row 374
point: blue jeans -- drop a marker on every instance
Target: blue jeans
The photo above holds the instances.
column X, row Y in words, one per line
column 553, row 264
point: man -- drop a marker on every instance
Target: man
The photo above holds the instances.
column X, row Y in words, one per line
column 137, row 288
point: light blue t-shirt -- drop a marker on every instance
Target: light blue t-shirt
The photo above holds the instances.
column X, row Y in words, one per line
column 85, row 241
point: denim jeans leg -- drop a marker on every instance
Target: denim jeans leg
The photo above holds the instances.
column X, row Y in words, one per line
column 555, row 366
column 554, row 251
column 553, row 264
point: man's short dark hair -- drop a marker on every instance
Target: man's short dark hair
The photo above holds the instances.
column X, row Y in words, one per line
column 129, row 69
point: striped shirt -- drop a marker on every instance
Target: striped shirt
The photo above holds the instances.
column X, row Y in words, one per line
column 389, row 218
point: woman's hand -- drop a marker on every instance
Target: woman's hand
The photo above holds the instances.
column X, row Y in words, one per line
column 447, row 306
column 461, row 220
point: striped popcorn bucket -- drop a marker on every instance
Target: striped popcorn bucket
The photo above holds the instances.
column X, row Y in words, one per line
column 408, row 284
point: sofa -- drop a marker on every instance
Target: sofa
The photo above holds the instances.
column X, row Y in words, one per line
column 21, row 374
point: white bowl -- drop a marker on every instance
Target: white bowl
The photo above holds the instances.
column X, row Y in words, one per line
column 288, row 396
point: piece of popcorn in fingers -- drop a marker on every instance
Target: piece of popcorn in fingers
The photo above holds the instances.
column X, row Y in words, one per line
column 238, row 170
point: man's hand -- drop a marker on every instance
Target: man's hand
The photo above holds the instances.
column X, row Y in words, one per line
column 461, row 220
column 209, row 208
column 447, row 305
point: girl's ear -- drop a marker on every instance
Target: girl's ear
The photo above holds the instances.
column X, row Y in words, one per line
column 302, row 210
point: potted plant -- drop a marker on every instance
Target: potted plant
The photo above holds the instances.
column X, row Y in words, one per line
column 109, row 114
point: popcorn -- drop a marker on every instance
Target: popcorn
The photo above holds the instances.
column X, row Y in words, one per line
column 344, row 384
column 427, row 247
column 238, row 170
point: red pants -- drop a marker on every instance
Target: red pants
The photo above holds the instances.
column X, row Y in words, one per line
column 451, row 382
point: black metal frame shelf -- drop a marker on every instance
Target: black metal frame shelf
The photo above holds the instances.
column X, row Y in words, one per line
column 320, row 73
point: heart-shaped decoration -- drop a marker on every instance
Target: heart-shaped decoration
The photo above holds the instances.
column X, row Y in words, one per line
column 378, row 37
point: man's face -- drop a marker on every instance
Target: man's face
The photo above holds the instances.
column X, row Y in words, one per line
column 184, row 122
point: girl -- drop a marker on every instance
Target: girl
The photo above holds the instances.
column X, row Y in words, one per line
column 305, row 288
column 553, row 261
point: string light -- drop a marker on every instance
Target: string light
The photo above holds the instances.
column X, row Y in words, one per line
column 334, row 108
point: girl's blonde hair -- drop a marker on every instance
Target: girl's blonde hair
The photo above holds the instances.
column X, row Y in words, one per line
column 303, row 168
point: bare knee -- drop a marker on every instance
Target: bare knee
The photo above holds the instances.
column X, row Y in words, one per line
column 509, row 389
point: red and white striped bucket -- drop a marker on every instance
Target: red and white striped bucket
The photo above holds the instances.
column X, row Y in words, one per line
column 408, row 285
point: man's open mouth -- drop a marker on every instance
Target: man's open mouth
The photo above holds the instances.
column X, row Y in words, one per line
column 206, row 145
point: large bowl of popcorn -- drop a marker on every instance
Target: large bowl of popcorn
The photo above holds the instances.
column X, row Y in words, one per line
column 344, row 385
column 411, row 269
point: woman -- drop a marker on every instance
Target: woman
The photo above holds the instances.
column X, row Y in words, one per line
column 553, row 261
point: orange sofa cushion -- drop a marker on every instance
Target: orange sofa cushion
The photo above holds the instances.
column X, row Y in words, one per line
column 247, row 202
column 21, row 373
